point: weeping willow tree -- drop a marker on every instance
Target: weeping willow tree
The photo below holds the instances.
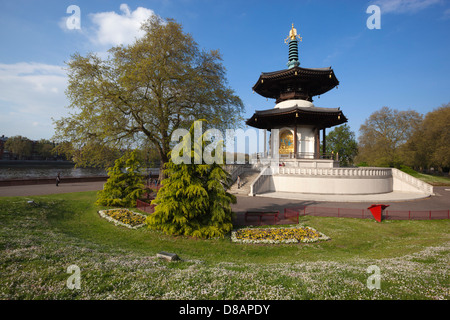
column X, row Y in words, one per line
column 193, row 200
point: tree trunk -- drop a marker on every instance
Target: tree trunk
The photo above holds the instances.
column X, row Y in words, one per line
column 164, row 159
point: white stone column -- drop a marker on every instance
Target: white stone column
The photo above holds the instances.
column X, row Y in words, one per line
column 265, row 143
column 275, row 136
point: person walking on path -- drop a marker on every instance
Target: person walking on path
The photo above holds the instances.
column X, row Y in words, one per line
column 58, row 179
column 239, row 182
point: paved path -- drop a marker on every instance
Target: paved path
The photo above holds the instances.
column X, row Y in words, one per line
column 43, row 189
column 441, row 201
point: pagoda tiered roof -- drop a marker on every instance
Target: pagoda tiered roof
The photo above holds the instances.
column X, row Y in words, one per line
column 295, row 83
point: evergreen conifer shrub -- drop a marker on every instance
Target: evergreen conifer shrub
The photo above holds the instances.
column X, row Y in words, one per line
column 124, row 185
column 193, row 200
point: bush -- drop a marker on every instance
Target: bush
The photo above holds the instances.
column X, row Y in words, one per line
column 193, row 200
column 362, row 164
column 408, row 170
column 124, row 185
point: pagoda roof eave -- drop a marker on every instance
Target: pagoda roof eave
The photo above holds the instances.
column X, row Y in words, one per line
column 318, row 80
column 319, row 117
column 292, row 70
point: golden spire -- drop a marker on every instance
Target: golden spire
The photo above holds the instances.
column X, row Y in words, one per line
column 292, row 35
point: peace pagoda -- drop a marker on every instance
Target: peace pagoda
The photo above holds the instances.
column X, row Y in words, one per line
column 294, row 165
column 295, row 122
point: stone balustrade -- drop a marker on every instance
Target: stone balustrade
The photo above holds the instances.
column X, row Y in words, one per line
column 259, row 182
column 337, row 172
column 365, row 180
column 406, row 182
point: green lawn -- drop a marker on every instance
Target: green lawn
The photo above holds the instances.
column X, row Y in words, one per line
column 431, row 179
column 38, row 243
column 434, row 180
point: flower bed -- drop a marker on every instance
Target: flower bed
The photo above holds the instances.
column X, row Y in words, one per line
column 124, row 217
column 277, row 235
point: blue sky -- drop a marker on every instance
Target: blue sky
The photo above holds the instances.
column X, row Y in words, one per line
column 404, row 65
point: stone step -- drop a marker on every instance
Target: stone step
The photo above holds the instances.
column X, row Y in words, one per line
column 247, row 178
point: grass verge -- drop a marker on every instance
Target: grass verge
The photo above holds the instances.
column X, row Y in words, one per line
column 431, row 179
column 39, row 242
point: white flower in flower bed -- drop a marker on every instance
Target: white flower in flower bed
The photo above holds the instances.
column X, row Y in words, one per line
column 277, row 235
column 109, row 215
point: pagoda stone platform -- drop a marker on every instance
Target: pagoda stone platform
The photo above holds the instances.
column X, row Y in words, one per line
column 336, row 181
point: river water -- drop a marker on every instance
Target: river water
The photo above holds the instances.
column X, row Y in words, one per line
column 47, row 172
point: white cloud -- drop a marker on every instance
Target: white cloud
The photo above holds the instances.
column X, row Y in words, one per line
column 115, row 29
column 30, row 95
column 405, row 6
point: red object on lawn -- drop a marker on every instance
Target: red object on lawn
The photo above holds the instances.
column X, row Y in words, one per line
column 377, row 210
